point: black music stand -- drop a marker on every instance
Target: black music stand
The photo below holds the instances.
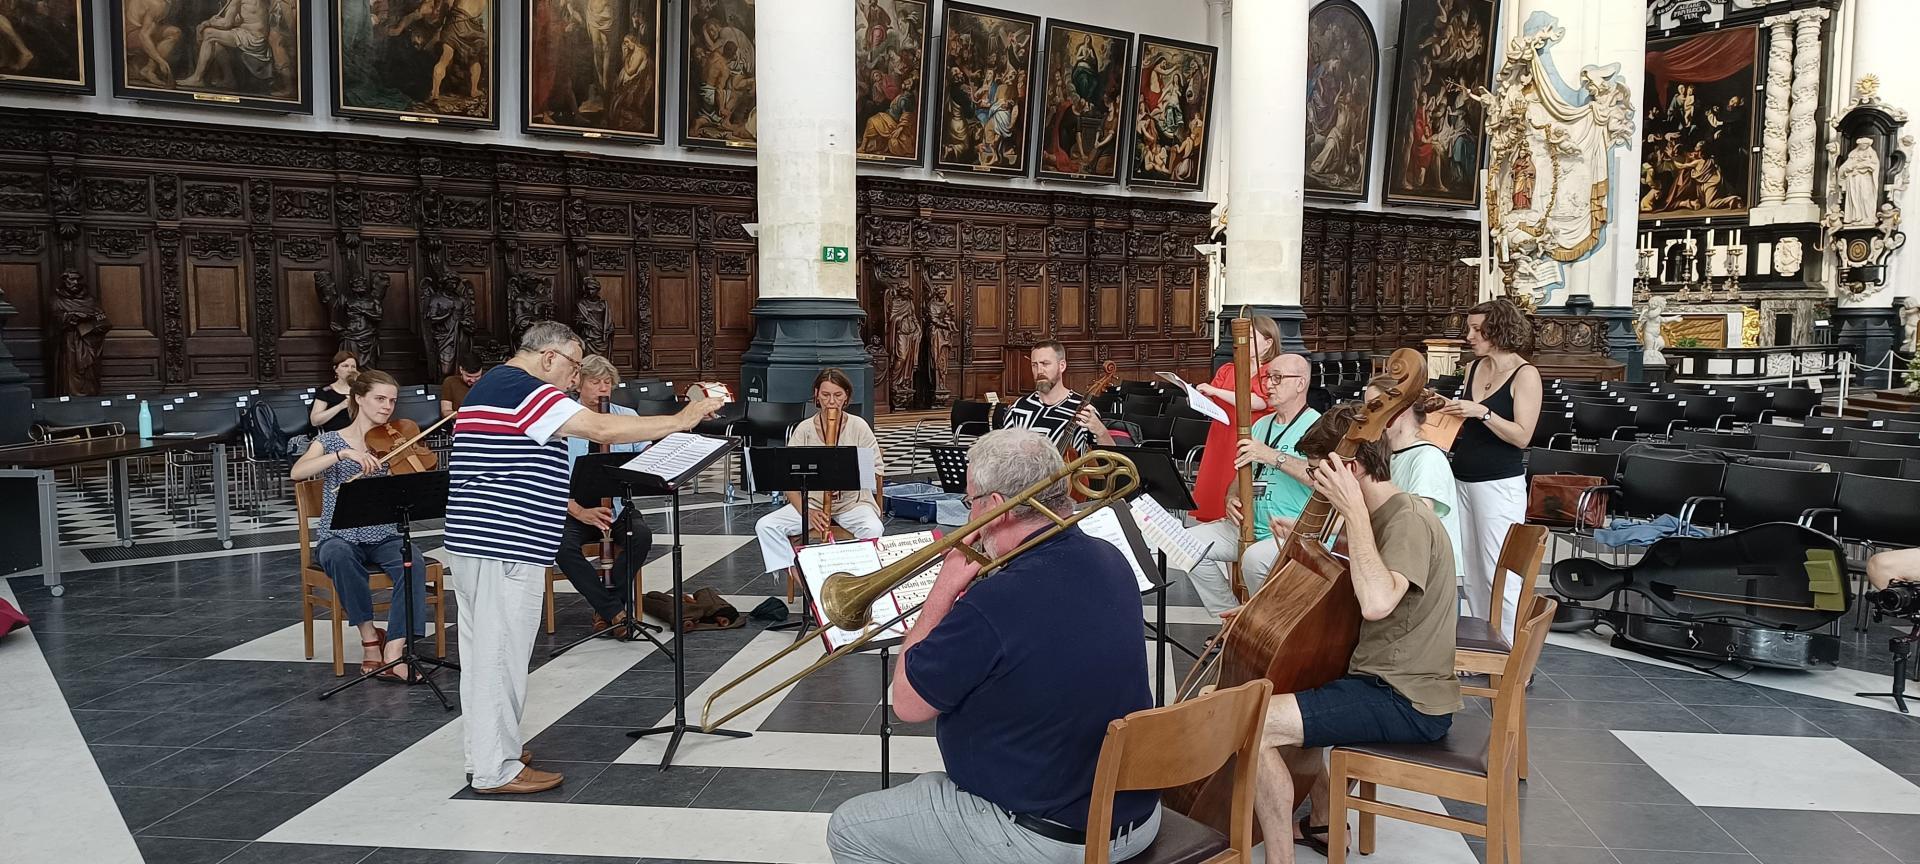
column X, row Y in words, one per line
column 806, row 469
column 672, row 486
column 396, row 499
column 950, row 465
column 1160, row 480
column 597, row 476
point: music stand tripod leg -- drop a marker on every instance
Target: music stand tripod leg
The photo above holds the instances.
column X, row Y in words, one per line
column 402, row 596
column 634, row 628
column 679, row 727
column 806, row 594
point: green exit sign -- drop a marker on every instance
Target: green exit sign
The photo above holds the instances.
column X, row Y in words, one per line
column 833, row 254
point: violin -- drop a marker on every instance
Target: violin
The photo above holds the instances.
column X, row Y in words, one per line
column 393, row 443
column 1109, row 373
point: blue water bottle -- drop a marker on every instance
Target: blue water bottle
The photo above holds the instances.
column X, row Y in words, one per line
column 146, row 420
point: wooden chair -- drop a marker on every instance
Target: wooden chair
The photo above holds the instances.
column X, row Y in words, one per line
column 591, row 551
column 1161, row 748
column 1480, row 646
column 1474, row 763
column 317, row 590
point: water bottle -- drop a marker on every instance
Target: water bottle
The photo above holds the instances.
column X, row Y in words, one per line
column 146, row 420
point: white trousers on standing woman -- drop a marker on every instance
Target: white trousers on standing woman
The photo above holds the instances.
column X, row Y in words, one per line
column 1487, row 510
column 498, row 610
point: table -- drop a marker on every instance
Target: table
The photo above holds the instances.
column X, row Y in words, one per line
column 45, row 458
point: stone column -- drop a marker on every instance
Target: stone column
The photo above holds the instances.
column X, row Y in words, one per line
column 1773, row 141
column 1266, row 170
column 808, row 316
column 1219, row 24
column 1803, row 115
column 1883, row 46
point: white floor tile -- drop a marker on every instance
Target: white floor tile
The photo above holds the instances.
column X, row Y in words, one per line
column 1773, row 772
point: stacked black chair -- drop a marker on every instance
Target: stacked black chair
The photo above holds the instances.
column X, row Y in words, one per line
column 1756, row 495
column 1720, row 440
column 1887, row 451
column 1751, row 406
column 1144, row 406
column 1188, row 440
column 1705, row 411
column 1794, row 403
column 1541, row 460
column 1554, row 428
column 1883, row 415
column 1596, row 420
column 1832, row 447
column 1806, row 433
column 1659, row 418
column 1654, row 486
column 1838, row 423
column 1854, row 464
column 1879, row 436
column 1153, row 431
column 1877, row 513
column 1902, row 425
column 968, row 417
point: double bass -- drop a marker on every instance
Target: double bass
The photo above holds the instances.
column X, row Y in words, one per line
column 1300, row 628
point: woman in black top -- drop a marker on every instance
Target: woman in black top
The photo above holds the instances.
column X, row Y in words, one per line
column 1502, row 405
column 328, row 413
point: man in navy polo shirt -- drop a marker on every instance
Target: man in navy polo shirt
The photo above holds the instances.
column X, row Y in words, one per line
column 1024, row 671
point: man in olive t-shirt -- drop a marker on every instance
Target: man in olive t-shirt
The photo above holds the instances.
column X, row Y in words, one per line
column 1400, row 685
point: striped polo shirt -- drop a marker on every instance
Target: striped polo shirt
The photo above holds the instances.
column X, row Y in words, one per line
column 508, row 473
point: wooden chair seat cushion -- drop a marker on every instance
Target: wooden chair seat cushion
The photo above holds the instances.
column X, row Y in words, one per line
column 1463, row 751
column 1479, row 634
column 1181, row 841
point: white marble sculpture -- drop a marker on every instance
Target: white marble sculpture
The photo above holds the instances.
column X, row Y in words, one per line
column 1910, row 324
column 1787, row 255
column 1860, row 185
column 1652, row 341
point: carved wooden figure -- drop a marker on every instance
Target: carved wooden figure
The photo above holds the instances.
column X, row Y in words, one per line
column 83, row 330
column 941, row 335
column 903, row 332
column 592, row 319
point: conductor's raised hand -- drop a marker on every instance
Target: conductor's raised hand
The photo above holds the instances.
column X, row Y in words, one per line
column 698, row 410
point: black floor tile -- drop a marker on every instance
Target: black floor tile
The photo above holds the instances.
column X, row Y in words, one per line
column 649, row 683
column 155, row 697
column 1786, row 836
column 234, row 815
column 1900, row 756
column 117, row 763
column 1712, row 691
column 1737, row 720
column 828, row 717
column 563, row 859
column 298, row 853
column 274, row 731
column 1581, row 782
column 141, row 806
column 173, row 729
column 624, row 712
column 1555, row 854
column 1577, row 745
column 581, row 743
column 168, row 850
column 1643, row 856
column 1898, row 833
column 1606, row 688
column 1867, row 723
column 847, row 784
column 96, row 725
column 1638, row 716
column 370, row 735
column 201, row 768
column 316, row 773
column 1660, row 827
column 763, row 789
column 1581, row 663
column 647, row 786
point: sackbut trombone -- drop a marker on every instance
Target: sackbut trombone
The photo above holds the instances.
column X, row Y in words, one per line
column 846, row 600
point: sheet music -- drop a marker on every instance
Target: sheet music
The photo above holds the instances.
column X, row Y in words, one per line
column 823, row 560
column 1105, row 525
column 673, row 456
column 1197, row 400
column 869, row 459
column 1164, row 533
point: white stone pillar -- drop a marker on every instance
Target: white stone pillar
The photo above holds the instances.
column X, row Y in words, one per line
column 1773, row 140
column 804, row 60
column 808, row 315
column 1266, row 172
column 1219, row 28
column 1803, row 115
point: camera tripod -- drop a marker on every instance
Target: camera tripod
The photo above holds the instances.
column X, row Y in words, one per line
column 1902, row 648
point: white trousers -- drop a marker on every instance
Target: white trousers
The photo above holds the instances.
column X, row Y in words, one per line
column 1210, row 580
column 498, row 612
column 774, row 529
column 1487, row 510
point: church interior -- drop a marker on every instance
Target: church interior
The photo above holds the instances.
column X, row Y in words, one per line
column 1507, row 413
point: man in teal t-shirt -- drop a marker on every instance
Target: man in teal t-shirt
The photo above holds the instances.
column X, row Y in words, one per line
column 1280, row 475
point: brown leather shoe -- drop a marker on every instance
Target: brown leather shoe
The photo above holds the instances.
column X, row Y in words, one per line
column 599, row 624
column 528, row 781
column 526, row 757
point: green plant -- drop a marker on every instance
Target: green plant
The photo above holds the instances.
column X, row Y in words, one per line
column 1687, row 342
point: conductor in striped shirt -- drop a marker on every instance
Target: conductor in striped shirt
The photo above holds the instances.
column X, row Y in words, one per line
column 506, row 511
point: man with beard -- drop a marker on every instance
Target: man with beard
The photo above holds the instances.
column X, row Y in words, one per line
column 1053, row 409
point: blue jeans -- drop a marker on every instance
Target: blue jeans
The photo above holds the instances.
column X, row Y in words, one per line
column 347, row 564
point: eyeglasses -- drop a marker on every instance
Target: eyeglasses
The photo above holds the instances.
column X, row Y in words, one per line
column 576, row 364
column 1273, row 377
column 970, row 500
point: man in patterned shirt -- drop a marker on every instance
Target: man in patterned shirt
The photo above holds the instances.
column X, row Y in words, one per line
column 1053, row 409
column 506, row 509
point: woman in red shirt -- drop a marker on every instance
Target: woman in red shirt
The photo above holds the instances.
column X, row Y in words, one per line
column 1216, row 462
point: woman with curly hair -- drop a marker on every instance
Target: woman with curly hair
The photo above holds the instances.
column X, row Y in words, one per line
column 1502, row 405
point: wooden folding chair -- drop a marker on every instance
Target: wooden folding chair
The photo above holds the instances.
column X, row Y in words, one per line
column 1474, row 763
column 1480, row 645
column 1161, row 748
column 317, row 590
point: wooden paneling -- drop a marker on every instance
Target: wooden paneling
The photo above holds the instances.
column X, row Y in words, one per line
column 122, row 297
column 1376, row 281
column 216, row 302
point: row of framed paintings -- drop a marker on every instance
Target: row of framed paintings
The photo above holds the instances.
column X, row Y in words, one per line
column 1436, row 132
column 1072, row 106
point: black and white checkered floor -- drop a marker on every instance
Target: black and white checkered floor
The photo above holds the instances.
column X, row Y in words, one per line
column 164, row 711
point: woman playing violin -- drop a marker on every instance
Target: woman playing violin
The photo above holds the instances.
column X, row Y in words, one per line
column 337, row 457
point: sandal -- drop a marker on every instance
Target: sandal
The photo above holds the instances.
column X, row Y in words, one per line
column 1307, row 838
column 379, row 639
column 393, row 674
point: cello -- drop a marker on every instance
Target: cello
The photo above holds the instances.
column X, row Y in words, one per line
column 1300, row 628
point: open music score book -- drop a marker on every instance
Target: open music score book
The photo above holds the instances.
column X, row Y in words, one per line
column 1164, row 533
column 1125, row 536
column 1197, row 400
column 677, row 457
column 861, row 557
